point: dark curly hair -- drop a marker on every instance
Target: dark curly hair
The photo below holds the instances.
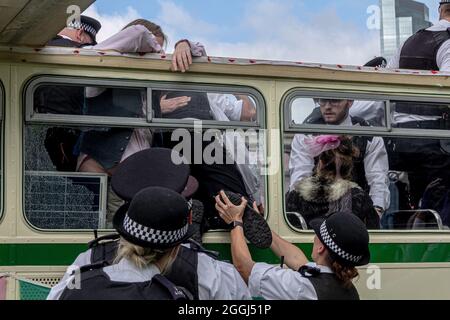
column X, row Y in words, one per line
column 343, row 156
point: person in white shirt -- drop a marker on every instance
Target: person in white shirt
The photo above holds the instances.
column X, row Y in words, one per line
column 341, row 243
column 370, row 167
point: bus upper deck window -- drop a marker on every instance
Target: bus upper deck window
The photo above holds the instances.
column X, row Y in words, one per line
column 203, row 105
column 337, row 111
column 58, row 99
column 420, row 115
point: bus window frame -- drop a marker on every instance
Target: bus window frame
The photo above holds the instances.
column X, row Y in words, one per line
column 146, row 122
column 289, row 128
column 295, row 93
column 32, row 118
column 2, row 148
column 386, row 131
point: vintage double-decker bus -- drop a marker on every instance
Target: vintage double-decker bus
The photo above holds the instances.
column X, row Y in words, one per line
column 49, row 214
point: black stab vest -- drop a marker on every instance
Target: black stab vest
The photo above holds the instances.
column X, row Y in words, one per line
column 96, row 285
column 419, row 52
column 183, row 272
column 327, row 285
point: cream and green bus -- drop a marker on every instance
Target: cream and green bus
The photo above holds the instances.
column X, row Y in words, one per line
column 49, row 214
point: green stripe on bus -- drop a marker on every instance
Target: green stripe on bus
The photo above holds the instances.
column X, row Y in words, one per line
column 65, row 254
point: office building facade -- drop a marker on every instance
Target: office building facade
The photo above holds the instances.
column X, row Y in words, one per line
column 399, row 20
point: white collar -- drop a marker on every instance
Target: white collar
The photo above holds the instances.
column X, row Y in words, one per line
column 65, row 37
column 441, row 25
column 347, row 121
column 126, row 271
column 323, row 269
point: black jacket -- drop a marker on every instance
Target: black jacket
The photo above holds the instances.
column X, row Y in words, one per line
column 315, row 197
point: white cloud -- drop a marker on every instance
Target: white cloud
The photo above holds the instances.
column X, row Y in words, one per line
column 111, row 24
column 277, row 34
column 178, row 24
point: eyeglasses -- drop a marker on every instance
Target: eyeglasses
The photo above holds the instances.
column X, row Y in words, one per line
column 332, row 102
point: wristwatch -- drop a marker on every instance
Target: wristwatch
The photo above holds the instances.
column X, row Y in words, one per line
column 235, row 224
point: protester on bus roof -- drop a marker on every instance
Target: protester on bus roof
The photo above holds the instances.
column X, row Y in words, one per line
column 152, row 228
column 370, row 165
column 330, row 189
column 341, row 243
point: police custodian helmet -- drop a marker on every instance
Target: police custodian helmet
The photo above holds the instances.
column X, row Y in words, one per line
column 345, row 237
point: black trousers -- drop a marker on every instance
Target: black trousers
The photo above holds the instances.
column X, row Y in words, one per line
column 212, row 178
column 424, row 159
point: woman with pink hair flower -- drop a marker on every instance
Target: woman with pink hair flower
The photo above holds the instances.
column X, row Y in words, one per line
column 330, row 189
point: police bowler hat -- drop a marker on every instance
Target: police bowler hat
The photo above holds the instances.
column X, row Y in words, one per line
column 152, row 168
column 345, row 237
column 89, row 25
column 157, row 218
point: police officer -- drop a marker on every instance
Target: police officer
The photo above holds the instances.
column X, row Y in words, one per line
column 148, row 246
column 77, row 33
column 195, row 268
column 424, row 159
column 341, row 243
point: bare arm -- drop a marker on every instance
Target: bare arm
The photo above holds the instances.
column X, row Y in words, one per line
column 248, row 112
column 294, row 257
column 242, row 258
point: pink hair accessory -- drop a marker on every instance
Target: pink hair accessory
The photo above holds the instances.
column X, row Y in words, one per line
column 319, row 144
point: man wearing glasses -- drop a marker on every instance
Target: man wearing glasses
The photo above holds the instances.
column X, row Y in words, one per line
column 371, row 166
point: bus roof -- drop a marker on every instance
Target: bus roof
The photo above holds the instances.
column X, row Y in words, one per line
column 221, row 65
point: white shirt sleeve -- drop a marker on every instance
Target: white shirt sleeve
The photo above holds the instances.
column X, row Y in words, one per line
column 372, row 111
column 228, row 104
column 376, row 166
column 443, row 57
column 83, row 259
column 301, row 164
column 131, row 40
column 219, row 280
column 274, row 283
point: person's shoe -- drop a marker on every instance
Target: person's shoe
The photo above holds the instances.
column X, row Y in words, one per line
column 197, row 220
column 256, row 229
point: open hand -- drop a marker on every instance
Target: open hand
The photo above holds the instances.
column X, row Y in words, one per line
column 228, row 211
column 182, row 57
column 170, row 105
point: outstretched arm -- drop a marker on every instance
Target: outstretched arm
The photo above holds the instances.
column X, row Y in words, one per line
column 242, row 258
column 294, row 258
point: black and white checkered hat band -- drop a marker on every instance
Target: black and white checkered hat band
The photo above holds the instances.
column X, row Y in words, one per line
column 79, row 25
column 328, row 241
column 151, row 235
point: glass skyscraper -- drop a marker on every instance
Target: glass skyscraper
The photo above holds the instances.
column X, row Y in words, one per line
column 399, row 20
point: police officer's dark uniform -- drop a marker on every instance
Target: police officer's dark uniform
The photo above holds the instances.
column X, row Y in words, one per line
column 195, row 268
column 347, row 241
column 60, row 142
column 424, row 159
